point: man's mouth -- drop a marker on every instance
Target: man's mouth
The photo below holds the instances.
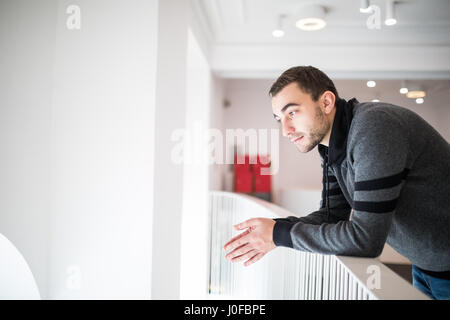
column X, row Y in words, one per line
column 297, row 139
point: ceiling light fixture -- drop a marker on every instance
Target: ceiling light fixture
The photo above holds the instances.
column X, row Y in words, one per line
column 364, row 6
column 419, row 100
column 311, row 18
column 279, row 31
column 416, row 92
column 390, row 13
column 371, row 84
column 403, row 88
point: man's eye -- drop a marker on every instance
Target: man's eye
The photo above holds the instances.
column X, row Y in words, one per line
column 291, row 114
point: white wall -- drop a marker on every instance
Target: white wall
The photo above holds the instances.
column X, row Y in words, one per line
column 171, row 93
column 27, row 37
column 102, row 123
column 77, row 130
column 90, row 194
column 217, row 171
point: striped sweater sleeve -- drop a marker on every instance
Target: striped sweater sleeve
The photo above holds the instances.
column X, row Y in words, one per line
column 378, row 149
column 338, row 207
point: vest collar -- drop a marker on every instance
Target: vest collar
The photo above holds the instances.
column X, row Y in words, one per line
column 341, row 125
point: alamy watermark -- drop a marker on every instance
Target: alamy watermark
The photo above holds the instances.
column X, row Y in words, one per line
column 374, row 19
column 198, row 145
column 73, row 21
column 73, row 277
column 374, row 280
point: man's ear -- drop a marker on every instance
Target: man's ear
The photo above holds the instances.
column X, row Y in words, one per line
column 328, row 100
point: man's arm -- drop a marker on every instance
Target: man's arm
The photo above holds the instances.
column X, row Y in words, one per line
column 379, row 150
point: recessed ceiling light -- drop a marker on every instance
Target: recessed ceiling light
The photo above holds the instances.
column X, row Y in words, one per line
column 375, row 100
column 371, row 83
column 419, row 100
column 311, row 18
column 403, row 90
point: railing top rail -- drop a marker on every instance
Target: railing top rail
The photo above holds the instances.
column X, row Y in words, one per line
column 391, row 285
column 277, row 211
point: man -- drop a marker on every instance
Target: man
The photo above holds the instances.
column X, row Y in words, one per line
column 382, row 161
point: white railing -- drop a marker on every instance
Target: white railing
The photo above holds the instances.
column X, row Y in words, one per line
column 285, row 273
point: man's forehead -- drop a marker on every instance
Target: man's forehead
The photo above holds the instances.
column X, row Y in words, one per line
column 285, row 98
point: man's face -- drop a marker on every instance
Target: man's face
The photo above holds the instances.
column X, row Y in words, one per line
column 303, row 120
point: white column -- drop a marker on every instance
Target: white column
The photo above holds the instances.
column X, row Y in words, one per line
column 173, row 17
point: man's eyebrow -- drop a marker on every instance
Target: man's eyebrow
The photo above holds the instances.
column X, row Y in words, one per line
column 285, row 107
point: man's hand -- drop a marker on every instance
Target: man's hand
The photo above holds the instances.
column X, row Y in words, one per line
column 253, row 243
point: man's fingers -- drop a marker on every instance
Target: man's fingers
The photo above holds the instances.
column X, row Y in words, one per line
column 235, row 238
column 238, row 242
column 238, row 251
column 254, row 259
column 246, row 255
column 246, row 224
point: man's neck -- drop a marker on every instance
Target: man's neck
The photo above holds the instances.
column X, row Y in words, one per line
column 326, row 139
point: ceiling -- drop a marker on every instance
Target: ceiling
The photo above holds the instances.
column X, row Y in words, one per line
column 252, row 21
column 239, row 34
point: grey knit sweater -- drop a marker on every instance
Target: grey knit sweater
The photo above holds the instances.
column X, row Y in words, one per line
column 393, row 169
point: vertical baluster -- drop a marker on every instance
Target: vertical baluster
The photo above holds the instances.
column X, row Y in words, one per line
column 226, row 217
column 302, row 271
column 360, row 292
column 313, row 276
column 338, row 279
column 217, row 260
column 307, row 272
column 211, row 241
column 319, row 281
column 232, row 269
column 326, row 275
column 351, row 288
column 305, row 275
column 290, row 279
column 211, row 257
column 231, row 220
column 301, row 274
column 221, row 232
column 333, row 278
column 318, row 276
column 295, row 286
column 310, row 272
column 346, row 285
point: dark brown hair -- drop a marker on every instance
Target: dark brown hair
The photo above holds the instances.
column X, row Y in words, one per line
column 309, row 79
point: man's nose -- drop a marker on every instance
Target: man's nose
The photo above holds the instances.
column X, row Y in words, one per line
column 286, row 128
